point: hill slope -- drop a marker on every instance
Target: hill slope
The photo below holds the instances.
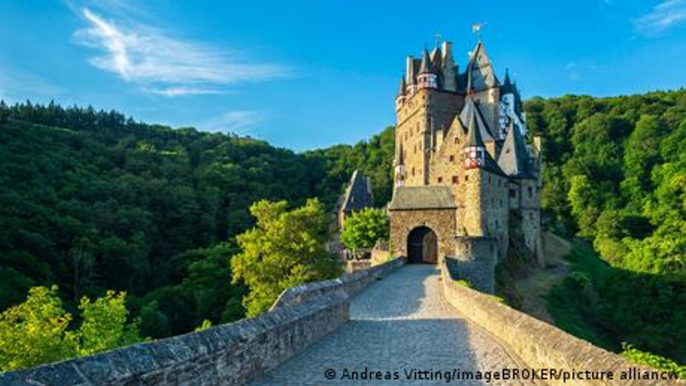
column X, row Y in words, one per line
column 92, row 201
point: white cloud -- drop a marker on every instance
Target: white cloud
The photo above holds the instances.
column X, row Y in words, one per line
column 150, row 58
column 662, row 17
column 176, row 91
column 241, row 122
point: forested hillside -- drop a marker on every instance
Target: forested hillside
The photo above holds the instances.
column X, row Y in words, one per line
column 615, row 175
column 93, row 201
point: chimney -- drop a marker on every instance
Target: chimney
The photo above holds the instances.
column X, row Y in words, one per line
column 449, row 68
column 410, row 70
column 447, row 50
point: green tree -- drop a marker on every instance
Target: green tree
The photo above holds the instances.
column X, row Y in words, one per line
column 284, row 249
column 35, row 331
column 364, row 228
column 154, row 323
column 104, row 324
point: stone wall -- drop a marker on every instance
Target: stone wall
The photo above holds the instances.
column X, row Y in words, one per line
column 539, row 344
column 422, row 113
column 475, row 261
column 230, row 354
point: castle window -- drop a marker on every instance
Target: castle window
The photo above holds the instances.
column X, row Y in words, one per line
column 452, row 158
column 440, row 180
column 413, row 172
column 513, row 193
column 497, row 224
column 456, row 140
column 455, row 180
column 466, row 178
column 530, row 192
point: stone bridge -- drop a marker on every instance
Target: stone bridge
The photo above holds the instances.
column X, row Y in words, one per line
column 380, row 323
column 400, row 323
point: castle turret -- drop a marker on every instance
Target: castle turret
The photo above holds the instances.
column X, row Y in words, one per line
column 411, row 82
column 427, row 77
column 474, row 150
column 402, row 92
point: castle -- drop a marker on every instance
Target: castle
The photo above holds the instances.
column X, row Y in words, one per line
column 466, row 182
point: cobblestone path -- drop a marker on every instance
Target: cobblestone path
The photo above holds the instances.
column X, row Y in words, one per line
column 398, row 324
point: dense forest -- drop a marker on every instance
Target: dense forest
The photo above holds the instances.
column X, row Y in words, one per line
column 615, row 176
column 95, row 201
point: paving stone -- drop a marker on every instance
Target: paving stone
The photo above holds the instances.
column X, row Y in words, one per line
column 399, row 323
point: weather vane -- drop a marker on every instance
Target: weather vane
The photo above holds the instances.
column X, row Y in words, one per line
column 476, row 29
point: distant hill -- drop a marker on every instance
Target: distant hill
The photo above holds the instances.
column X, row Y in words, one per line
column 92, row 200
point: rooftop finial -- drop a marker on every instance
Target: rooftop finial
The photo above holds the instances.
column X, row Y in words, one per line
column 438, row 39
column 476, row 29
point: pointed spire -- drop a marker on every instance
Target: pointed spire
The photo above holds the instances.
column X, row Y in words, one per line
column 513, row 158
column 425, row 67
column 471, row 112
column 507, row 87
column 480, row 74
column 474, row 134
column 403, row 86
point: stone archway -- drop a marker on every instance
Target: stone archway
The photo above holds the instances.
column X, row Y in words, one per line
column 422, row 246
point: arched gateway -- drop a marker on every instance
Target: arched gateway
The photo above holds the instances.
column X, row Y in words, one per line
column 422, row 246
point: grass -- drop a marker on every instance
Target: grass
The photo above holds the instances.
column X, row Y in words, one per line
column 573, row 302
column 532, row 288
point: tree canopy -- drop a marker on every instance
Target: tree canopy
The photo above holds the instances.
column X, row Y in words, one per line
column 284, row 249
column 364, row 228
column 615, row 175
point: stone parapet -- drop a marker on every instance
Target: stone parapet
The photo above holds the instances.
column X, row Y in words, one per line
column 540, row 345
column 229, row 354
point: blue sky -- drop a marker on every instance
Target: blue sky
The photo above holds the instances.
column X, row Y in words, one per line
column 306, row 74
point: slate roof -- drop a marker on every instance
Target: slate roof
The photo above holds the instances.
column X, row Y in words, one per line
column 403, row 86
column 480, row 74
column 474, row 139
column 474, row 133
column 514, row 157
column 425, row 66
column 358, row 194
column 422, row 197
column 469, row 113
column 507, row 87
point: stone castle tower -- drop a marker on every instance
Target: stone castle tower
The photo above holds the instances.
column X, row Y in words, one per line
column 467, row 183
